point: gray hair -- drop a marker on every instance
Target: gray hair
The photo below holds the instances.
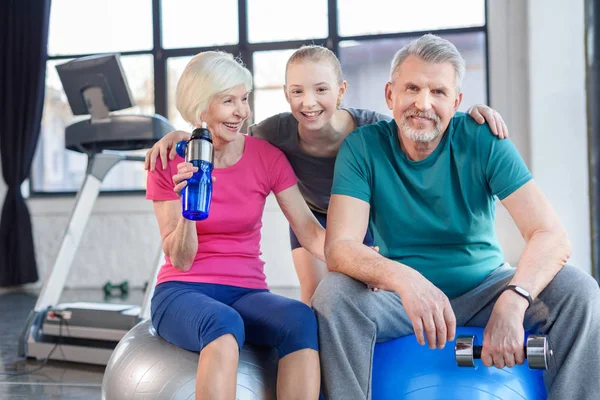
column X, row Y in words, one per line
column 206, row 75
column 432, row 49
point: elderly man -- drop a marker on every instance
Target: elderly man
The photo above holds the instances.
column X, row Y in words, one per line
column 425, row 184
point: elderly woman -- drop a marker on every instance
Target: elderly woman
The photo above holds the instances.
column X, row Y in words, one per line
column 211, row 293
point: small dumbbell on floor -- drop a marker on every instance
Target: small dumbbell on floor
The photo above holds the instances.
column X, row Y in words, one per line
column 116, row 290
column 537, row 351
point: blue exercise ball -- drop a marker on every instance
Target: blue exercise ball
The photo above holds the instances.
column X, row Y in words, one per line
column 403, row 369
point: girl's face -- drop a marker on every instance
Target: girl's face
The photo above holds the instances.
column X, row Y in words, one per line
column 313, row 92
column 227, row 113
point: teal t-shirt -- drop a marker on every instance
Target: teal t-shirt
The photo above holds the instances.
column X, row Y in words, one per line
column 435, row 215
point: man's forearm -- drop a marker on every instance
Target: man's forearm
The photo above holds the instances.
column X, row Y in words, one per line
column 545, row 254
column 364, row 264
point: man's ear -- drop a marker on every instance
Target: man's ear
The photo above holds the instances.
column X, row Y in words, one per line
column 285, row 92
column 388, row 95
column 457, row 101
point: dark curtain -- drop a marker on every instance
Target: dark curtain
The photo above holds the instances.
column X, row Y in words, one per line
column 23, row 53
column 592, row 25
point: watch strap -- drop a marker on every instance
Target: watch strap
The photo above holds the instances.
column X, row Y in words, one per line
column 521, row 292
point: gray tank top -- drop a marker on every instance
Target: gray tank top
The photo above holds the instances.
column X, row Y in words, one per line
column 315, row 174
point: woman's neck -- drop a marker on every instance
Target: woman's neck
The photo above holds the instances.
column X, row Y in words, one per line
column 228, row 153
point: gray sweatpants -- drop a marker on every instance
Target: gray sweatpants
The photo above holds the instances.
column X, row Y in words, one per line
column 352, row 319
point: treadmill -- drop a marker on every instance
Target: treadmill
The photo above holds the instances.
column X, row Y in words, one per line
column 88, row 332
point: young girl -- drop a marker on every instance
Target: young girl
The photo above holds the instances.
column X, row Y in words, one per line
column 310, row 137
column 211, row 293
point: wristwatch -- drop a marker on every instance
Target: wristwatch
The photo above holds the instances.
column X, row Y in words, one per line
column 521, row 292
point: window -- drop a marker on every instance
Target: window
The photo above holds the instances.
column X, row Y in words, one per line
column 263, row 33
column 89, row 27
column 199, row 23
column 366, row 65
column 277, row 21
column 384, row 16
column 175, row 67
column 269, row 78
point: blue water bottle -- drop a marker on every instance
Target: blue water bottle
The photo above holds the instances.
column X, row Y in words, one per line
column 196, row 196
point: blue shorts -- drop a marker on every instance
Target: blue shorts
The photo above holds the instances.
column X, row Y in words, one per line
column 322, row 218
column 191, row 315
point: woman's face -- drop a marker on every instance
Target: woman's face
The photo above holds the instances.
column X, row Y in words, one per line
column 313, row 92
column 227, row 112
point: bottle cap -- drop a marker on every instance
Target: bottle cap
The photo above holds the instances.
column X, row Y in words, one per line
column 202, row 133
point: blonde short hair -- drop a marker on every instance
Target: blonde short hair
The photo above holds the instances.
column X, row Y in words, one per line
column 206, row 75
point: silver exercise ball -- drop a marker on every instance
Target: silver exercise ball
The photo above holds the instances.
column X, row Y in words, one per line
column 145, row 366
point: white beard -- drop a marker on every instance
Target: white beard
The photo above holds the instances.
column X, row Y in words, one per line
column 421, row 135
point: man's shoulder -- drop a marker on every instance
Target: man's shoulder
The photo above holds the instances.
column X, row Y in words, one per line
column 468, row 132
column 466, row 124
column 372, row 135
column 369, row 140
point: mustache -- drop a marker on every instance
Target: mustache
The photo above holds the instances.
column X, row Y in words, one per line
column 422, row 114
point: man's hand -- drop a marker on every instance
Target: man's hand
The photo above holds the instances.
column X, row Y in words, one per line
column 428, row 309
column 504, row 334
column 160, row 148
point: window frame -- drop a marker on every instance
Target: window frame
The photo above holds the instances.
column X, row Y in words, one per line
column 245, row 50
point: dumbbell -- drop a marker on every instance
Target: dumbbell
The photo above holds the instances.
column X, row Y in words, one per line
column 110, row 289
column 537, row 351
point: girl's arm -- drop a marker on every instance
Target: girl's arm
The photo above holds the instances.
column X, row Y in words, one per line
column 309, row 231
column 161, row 148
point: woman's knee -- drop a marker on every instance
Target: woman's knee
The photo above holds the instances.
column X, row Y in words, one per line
column 226, row 322
column 298, row 330
column 225, row 347
column 195, row 330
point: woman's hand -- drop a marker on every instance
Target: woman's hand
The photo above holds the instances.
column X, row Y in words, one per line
column 185, row 171
column 482, row 113
column 160, row 148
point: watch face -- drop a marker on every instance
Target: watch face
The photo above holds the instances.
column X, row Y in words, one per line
column 522, row 291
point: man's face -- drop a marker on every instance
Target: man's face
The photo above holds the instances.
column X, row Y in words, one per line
column 423, row 98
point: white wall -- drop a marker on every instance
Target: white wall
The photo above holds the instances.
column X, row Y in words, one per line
column 537, row 71
column 541, row 97
column 507, row 40
column 558, row 115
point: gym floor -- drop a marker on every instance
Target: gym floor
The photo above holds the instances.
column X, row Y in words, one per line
column 56, row 379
